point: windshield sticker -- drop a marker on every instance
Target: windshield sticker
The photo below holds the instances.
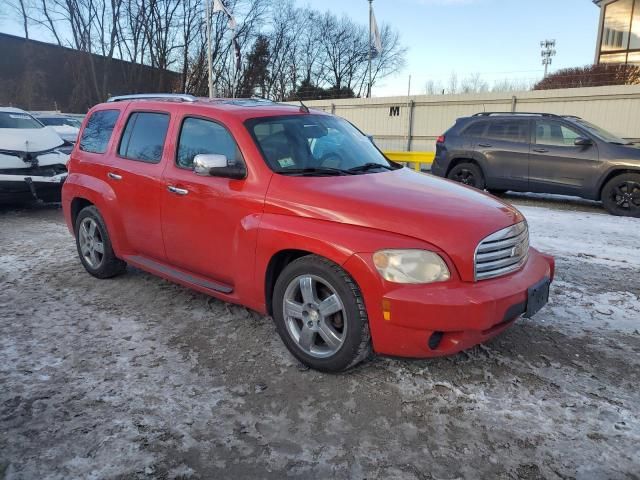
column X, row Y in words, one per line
column 286, row 162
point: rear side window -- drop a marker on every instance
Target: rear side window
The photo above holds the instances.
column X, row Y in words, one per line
column 509, row 130
column 476, row 129
column 97, row 132
column 204, row 136
column 143, row 137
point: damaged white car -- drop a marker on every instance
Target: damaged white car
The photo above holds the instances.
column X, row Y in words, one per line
column 32, row 166
column 65, row 126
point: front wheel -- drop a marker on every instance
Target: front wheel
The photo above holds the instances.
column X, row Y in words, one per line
column 621, row 195
column 468, row 174
column 320, row 315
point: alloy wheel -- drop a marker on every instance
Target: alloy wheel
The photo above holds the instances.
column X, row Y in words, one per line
column 91, row 243
column 626, row 195
column 466, row 177
column 315, row 316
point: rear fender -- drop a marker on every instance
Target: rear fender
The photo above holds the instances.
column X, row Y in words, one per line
column 104, row 198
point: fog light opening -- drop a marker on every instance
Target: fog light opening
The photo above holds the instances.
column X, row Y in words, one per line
column 435, row 339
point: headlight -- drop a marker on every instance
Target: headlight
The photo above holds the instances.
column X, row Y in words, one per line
column 411, row 266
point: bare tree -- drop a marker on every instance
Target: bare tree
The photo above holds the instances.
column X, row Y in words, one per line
column 282, row 47
column 474, row 84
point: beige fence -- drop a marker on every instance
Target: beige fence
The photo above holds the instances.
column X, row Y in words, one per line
column 414, row 123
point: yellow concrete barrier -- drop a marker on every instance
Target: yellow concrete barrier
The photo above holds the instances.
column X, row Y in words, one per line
column 418, row 159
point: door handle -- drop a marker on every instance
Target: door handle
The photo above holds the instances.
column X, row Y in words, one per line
column 540, row 150
column 114, row 176
column 485, row 145
column 177, row 191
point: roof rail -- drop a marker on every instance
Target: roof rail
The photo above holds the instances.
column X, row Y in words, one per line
column 553, row 115
column 257, row 98
column 183, row 97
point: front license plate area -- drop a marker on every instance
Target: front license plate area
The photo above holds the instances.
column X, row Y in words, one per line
column 537, row 297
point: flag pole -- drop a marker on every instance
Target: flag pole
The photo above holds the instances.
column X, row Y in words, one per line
column 209, row 67
column 369, row 44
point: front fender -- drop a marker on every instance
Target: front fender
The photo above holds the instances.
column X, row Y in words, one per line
column 99, row 193
column 332, row 240
column 618, row 168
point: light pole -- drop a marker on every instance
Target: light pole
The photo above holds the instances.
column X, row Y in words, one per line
column 209, row 66
column 548, row 51
column 370, row 33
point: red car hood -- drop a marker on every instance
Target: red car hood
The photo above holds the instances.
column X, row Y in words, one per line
column 450, row 216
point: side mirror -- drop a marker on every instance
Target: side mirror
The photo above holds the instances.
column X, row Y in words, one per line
column 583, row 142
column 214, row 165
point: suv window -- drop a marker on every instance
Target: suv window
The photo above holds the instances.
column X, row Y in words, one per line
column 554, row 133
column 97, row 131
column 508, row 130
column 143, row 137
column 205, row 136
column 18, row 120
column 476, row 129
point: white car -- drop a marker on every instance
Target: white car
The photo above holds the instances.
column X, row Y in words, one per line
column 65, row 126
column 32, row 166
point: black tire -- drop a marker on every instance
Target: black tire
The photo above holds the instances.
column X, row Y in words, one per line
column 621, row 195
column 356, row 343
column 468, row 174
column 107, row 265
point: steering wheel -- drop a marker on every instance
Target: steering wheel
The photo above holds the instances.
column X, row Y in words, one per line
column 331, row 160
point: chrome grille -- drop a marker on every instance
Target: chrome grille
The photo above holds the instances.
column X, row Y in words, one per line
column 502, row 252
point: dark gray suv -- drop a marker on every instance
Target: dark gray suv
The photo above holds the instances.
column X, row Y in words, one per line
column 539, row 152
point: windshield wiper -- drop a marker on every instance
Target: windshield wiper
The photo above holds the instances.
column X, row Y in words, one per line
column 316, row 170
column 370, row 166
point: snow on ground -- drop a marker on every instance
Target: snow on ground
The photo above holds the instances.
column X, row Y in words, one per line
column 138, row 378
column 598, row 237
column 600, row 240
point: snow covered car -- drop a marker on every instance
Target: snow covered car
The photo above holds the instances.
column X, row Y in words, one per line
column 32, row 166
column 65, row 126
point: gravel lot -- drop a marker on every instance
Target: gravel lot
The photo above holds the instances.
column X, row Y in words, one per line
column 135, row 377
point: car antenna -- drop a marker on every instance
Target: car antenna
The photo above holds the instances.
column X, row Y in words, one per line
column 303, row 107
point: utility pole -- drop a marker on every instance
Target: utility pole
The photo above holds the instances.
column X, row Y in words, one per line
column 548, row 50
column 209, row 67
column 369, row 44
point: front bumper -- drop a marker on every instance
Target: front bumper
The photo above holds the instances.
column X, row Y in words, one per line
column 15, row 189
column 462, row 314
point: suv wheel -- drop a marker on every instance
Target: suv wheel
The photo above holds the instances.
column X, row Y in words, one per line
column 94, row 245
column 320, row 315
column 621, row 195
column 467, row 174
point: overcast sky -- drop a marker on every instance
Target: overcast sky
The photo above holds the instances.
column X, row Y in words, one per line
column 496, row 38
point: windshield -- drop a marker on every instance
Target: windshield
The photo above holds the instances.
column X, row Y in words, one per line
column 316, row 145
column 18, row 120
column 600, row 133
column 60, row 121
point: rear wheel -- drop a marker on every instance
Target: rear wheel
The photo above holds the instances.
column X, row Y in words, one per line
column 468, row 174
column 94, row 245
column 320, row 315
column 621, row 195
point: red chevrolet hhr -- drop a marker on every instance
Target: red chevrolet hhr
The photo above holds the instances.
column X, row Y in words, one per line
column 296, row 214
